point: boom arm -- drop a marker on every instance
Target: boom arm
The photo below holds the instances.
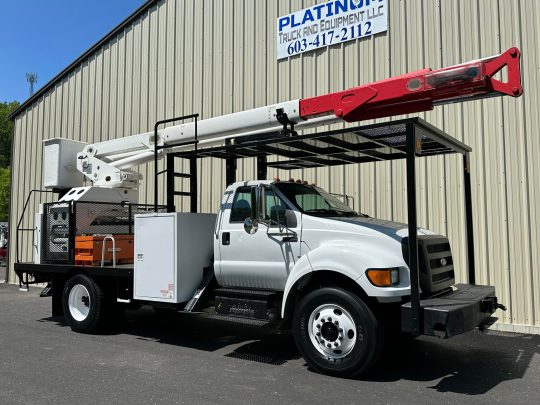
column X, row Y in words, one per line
column 108, row 163
column 421, row 90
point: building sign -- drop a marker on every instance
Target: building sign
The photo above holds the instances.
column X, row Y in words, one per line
column 328, row 24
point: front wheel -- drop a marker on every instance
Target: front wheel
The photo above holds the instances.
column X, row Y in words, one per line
column 336, row 332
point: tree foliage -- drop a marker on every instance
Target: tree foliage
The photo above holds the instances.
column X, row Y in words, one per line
column 4, row 193
column 6, row 130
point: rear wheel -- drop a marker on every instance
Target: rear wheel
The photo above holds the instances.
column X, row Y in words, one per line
column 85, row 306
column 336, row 332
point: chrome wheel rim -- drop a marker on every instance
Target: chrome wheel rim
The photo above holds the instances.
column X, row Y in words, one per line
column 332, row 331
column 79, row 302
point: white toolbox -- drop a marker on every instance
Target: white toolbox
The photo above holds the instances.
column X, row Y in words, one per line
column 171, row 251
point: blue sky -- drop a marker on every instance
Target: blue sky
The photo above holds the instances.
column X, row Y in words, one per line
column 45, row 36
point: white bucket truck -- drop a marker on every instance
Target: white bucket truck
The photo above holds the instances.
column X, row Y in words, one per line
column 277, row 253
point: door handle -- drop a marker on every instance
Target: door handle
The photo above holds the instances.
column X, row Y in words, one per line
column 225, row 238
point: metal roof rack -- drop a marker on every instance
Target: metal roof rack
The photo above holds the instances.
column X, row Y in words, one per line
column 362, row 144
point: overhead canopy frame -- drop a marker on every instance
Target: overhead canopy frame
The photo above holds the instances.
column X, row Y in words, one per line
column 401, row 139
column 361, row 144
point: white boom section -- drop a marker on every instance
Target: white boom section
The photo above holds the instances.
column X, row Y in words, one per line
column 108, row 163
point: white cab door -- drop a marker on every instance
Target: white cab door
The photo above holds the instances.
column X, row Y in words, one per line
column 260, row 260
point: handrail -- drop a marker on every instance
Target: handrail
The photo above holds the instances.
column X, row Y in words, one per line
column 111, row 238
column 28, row 200
column 19, row 229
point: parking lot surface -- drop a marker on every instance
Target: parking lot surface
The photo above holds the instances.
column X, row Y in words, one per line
column 190, row 360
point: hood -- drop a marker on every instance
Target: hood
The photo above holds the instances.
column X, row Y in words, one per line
column 395, row 230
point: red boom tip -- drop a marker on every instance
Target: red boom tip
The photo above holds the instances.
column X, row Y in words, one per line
column 510, row 61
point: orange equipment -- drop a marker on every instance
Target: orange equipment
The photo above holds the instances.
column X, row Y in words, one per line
column 88, row 249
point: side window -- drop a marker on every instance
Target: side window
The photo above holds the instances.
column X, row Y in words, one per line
column 241, row 206
column 274, row 208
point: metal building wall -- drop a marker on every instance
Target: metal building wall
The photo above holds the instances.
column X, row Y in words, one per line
column 216, row 57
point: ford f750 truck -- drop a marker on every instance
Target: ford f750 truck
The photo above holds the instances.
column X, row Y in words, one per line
column 285, row 254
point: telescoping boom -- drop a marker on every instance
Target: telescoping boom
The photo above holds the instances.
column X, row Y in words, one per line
column 108, row 163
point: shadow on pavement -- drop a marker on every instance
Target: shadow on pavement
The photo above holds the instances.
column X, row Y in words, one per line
column 470, row 364
column 259, row 344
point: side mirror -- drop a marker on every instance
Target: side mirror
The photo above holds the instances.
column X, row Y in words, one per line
column 290, row 219
column 250, row 226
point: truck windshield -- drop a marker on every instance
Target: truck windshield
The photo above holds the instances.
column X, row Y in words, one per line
column 314, row 200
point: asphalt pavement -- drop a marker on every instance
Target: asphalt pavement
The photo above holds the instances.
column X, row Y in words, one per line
column 190, row 360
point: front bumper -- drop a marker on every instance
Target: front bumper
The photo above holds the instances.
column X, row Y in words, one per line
column 467, row 307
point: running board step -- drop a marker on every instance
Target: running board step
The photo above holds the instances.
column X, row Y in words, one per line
column 244, row 293
column 236, row 319
column 248, row 304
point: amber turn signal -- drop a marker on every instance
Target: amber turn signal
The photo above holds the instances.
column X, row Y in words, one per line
column 383, row 277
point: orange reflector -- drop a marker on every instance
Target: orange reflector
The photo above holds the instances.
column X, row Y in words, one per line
column 380, row 277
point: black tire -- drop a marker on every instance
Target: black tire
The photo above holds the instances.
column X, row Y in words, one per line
column 367, row 340
column 98, row 312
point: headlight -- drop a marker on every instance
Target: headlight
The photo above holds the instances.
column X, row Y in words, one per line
column 383, row 277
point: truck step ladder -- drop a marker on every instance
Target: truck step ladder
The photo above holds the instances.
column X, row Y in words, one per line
column 238, row 319
column 172, row 175
column 253, row 305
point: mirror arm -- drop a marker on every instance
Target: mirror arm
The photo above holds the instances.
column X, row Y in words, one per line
column 254, row 203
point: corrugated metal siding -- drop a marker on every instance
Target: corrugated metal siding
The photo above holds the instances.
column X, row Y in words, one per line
column 216, row 57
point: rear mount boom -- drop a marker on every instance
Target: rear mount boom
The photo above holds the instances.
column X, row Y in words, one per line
column 109, row 163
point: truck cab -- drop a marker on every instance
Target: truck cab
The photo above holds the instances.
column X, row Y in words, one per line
column 270, row 234
column 333, row 270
